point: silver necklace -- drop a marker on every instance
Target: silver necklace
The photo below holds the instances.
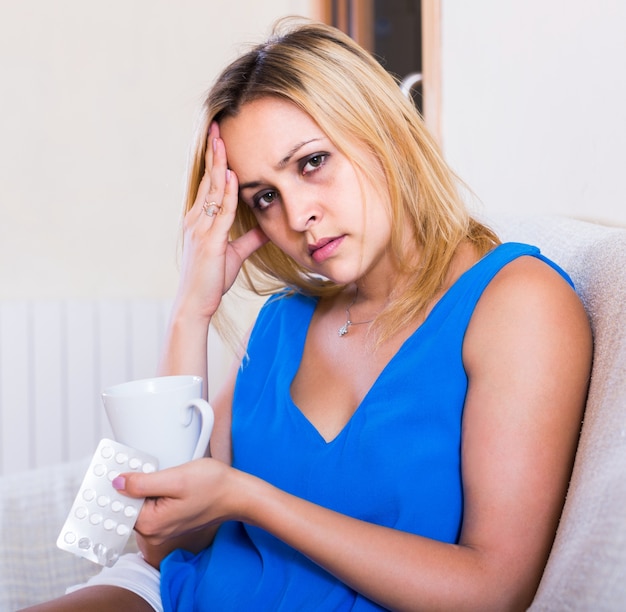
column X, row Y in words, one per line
column 343, row 330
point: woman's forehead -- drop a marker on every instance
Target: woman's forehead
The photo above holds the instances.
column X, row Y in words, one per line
column 269, row 128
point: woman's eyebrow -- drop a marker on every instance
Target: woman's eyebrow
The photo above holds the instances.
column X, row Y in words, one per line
column 285, row 160
column 250, row 185
column 281, row 164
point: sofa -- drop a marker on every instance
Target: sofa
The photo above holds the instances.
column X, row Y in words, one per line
column 586, row 569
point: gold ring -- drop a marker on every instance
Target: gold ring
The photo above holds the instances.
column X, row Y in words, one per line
column 211, row 208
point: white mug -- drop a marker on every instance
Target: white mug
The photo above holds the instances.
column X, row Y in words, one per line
column 163, row 416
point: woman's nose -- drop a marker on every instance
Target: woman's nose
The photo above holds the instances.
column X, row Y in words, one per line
column 302, row 212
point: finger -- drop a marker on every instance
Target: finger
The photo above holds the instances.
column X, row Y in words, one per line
column 223, row 193
column 164, row 483
column 218, row 173
column 201, row 195
column 205, row 181
column 208, row 156
column 242, row 247
column 231, row 194
column 210, row 195
column 247, row 244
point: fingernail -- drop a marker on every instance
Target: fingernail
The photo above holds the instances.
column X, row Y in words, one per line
column 228, row 175
column 119, row 483
column 214, row 144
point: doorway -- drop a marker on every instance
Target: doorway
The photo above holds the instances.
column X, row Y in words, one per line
column 404, row 36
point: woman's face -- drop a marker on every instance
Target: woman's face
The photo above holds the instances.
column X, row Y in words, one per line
column 305, row 194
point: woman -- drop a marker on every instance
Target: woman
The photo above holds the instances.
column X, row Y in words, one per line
column 401, row 430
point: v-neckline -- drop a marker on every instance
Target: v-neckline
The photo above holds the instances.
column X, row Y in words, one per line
column 299, row 349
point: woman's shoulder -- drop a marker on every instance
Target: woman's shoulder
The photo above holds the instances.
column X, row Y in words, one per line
column 526, row 274
column 530, row 301
column 508, row 264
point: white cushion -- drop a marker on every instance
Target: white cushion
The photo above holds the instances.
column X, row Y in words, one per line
column 33, row 507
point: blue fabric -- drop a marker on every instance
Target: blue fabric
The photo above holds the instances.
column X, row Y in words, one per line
column 396, row 462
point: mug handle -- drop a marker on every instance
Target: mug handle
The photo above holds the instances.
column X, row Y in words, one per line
column 207, row 418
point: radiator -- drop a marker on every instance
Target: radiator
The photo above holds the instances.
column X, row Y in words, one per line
column 55, row 359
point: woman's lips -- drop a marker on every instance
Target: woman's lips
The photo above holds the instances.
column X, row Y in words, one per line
column 324, row 248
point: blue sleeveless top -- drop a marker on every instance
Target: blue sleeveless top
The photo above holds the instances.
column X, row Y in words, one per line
column 395, row 463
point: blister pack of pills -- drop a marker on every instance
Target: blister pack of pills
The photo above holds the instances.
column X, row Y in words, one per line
column 101, row 519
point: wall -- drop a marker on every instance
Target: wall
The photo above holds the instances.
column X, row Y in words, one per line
column 98, row 106
column 533, row 104
column 99, row 100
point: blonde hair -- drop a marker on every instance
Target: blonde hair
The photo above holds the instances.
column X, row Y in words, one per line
column 362, row 110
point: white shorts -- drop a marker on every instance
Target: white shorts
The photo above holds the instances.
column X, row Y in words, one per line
column 132, row 573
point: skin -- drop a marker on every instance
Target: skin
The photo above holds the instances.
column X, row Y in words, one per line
column 527, row 353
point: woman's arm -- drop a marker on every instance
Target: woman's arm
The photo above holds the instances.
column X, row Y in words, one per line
column 527, row 354
column 210, row 265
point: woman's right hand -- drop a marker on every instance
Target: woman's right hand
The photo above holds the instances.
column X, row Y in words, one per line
column 184, row 505
column 210, row 262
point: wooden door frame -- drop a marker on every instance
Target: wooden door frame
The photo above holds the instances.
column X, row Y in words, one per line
column 356, row 18
column 431, row 66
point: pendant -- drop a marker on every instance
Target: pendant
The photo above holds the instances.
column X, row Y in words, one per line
column 343, row 330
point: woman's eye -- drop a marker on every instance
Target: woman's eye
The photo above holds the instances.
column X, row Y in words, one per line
column 313, row 163
column 264, row 200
